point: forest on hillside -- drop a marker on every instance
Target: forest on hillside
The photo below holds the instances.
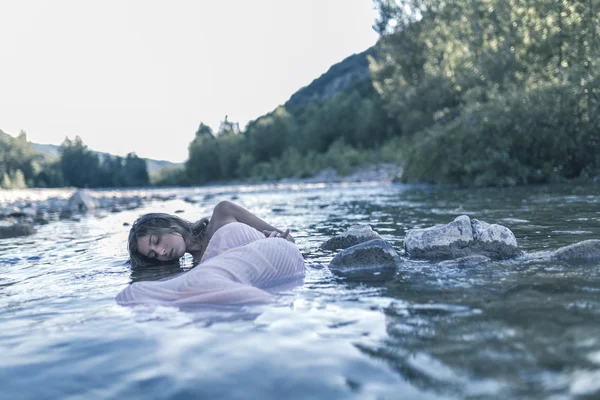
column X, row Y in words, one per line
column 476, row 93
column 468, row 92
column 492, row 92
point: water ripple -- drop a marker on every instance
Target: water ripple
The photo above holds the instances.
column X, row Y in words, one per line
column 522, row 328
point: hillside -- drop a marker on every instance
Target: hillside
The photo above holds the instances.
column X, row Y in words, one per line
column 338, row 77
column 336, row 122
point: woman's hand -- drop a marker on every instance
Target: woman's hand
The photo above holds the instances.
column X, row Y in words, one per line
column 278, row 234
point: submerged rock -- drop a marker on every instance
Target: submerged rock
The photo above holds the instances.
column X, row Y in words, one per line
column 460, row 238
column 587, row 250
column 14, row 229
column 354, row 235
column 372, row 260
column 465, row 262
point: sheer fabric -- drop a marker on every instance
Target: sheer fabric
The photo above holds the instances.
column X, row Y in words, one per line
column 238, row 267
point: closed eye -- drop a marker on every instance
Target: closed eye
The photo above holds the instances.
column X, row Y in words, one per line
column 155, row 239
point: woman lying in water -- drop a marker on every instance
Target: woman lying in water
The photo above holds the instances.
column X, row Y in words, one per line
column 238, row 255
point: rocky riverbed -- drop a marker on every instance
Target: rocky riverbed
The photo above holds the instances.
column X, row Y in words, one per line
column 464, row 242
column 21, row 211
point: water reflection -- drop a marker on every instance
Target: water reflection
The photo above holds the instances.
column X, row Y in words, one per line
column 156, row 272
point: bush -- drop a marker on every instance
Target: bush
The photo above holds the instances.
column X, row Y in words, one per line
column 539, row 136
column 169, row 176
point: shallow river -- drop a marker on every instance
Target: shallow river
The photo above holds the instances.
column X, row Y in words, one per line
column 506, row 330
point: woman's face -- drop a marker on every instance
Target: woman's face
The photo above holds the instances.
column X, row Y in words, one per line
column 163, row 247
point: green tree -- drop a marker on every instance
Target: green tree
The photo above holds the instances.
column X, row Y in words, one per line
column 204, row 130
column 270, row 135
column 135, row 171
column 80, row 166
column 19, row 160
column 202, row 164
column 492, row 92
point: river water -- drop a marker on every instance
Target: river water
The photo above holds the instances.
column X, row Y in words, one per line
column 515, row 329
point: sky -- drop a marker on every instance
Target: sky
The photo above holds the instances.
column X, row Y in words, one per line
column 140, row 75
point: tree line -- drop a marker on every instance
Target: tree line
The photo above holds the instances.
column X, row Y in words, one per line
column 21, row 166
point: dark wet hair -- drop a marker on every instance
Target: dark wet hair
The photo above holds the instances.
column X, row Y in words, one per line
column 160, row 224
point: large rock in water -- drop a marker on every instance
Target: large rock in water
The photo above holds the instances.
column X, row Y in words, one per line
column 460, row 238
column 368, row 261
column 79, row 202
column 354, row 235
column 587, row 250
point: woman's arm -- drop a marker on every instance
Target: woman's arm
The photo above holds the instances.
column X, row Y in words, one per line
column 226, row 212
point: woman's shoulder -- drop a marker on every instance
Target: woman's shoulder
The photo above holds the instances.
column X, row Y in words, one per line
column 220, row 217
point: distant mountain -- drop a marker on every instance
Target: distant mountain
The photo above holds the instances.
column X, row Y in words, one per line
column 156, row 165
column 153, row 166
column 338, row 77
column 49, row 150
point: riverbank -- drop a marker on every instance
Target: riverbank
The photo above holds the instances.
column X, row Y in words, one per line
column 21, row 210
column 384, row 172
column 55, row 199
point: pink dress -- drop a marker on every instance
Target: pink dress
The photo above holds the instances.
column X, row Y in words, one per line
column 236, row 268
